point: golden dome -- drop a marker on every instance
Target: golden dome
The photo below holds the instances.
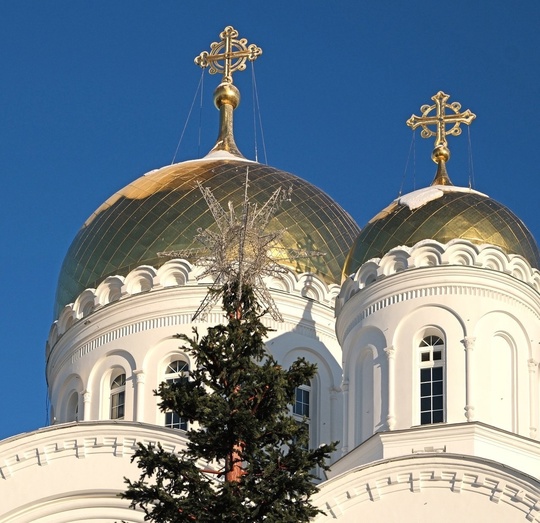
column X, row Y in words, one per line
column 442, row 213
column 162, row 211
column 165, row 209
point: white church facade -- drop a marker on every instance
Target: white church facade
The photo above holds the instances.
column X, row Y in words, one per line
column 425, row 328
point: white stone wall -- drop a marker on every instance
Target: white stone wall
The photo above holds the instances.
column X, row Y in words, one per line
column 487, row 314
column 129, row 325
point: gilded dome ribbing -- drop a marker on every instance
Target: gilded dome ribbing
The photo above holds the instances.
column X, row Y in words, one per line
column 163, row 210
column 442, row 213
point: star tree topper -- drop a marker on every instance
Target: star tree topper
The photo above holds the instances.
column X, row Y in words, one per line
column 242, row 250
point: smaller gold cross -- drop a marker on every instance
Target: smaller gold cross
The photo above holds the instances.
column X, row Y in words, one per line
column 440, row 119
column 234, row 55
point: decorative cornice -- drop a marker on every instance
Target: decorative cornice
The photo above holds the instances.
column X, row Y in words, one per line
column 437, row 290
column 173, row 274
column 433, row 270
column 174, row 320
column 81, row 440
column 489, row 443
column 430, row 253
column 418, row 472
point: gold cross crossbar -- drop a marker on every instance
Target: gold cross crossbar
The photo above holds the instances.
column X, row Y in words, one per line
column 440, row 119
column 234, row 55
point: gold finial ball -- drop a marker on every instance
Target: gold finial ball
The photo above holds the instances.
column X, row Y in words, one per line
column 226, row 93
column 440, row 153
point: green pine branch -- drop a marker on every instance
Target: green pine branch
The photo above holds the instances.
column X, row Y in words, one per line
column 237, row 401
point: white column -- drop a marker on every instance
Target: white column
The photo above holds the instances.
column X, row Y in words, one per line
column 391, row 417
column 140, row 378
column 468, row 343
column 346, row 420
column 533, row 398
column 335, row 422
column 87, row 396
column 334, row 391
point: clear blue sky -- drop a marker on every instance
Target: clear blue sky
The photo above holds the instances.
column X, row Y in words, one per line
column 94, row 93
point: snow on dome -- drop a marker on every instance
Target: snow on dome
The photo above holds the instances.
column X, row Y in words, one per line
column 442, row 213
column 416, row 199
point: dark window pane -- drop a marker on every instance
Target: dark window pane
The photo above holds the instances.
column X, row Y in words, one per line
column 119, row 381
column 425, row 404
column 438, row 416
column 301, row 405
column 432, row 380
column 117, row 405
column 177, row 366
column 437, row 388
column 425, row 390
column 437, row 402
column 174, row 421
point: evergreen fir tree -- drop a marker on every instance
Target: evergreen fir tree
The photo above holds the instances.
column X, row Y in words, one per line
column 247, row 459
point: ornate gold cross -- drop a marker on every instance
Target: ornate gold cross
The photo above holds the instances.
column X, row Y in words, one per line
column 440, row 119
column 234, row 55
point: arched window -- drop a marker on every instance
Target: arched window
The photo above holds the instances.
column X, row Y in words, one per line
column 432, row 400
column 176, row 370
column 301, row 402
column 301, row 408
column 118, row 396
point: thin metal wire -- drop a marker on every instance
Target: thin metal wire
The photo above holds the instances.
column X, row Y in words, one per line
column 472, row 182
column 253, row 95
column 200, row 116
column 414, row 162
column 412, row 149
column 199, row 88
column 242, row 242
column 256, row 91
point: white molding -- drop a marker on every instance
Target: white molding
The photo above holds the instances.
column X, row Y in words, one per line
column 72, row 338
column 345, row 497
column 433, row 283
column 175, row 307
column 81, row 440
column 173, row 274
column 431, row 253
column 75, row 471
column 474, row 438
